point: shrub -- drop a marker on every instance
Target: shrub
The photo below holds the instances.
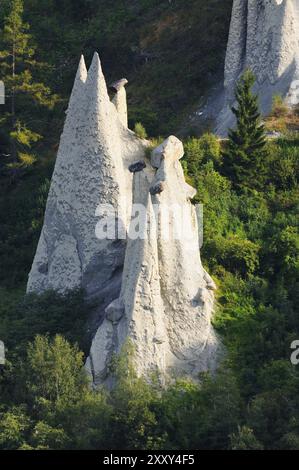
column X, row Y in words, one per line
column 200, row 151
column 140, row 130
column 282, row 162
column 245, row 439
column 279, row 108
column 14, row 425
column 235, row 254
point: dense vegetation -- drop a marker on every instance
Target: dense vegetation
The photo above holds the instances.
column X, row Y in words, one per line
column 169, row 53
column 250, row 247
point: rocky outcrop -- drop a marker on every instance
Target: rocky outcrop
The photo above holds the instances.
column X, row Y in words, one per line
column 91, row 170
column 119, row 223
column 264, row 36
column 120, row 99
column 166, row 301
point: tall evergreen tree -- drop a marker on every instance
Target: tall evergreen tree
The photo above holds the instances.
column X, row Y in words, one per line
column 245, row 150
column 23, row 92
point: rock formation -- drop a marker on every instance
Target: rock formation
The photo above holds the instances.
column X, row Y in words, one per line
column 120, row 99
column 150, row 288
column 264, row 36
column 91, row 168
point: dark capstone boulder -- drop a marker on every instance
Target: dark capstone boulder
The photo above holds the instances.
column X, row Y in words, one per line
column 157, row 188
column 137, row 166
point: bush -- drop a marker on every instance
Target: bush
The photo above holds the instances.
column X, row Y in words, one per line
column 140, row 130
column 282, row 163
column 201, row 151
column 279, row 108
column 14, row 426
column 237, row 255
column 245, row 439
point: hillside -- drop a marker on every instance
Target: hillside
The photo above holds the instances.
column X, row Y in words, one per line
column 170, row 52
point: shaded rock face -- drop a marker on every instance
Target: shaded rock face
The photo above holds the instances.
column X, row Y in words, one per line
column 264, row 36
column 150, row 288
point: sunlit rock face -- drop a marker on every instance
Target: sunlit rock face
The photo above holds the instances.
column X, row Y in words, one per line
column 151, row 289
column 264, row 36
column 166, row 301
column 91, row 169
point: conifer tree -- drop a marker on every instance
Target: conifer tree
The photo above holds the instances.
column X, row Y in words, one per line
column 245, row 150
column 17, row 68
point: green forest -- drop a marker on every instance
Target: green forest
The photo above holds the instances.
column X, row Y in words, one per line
column 171, row 52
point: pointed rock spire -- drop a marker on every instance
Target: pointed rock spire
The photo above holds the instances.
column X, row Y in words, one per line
column 138, row 313
column 97, row 94
column 76, row 103
column 80, row 80
column 264, row 37
column 82, row 70
column 47, row 270
column 186, row 294
column 144, row 320
column 166, row 298
column 102, row 155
